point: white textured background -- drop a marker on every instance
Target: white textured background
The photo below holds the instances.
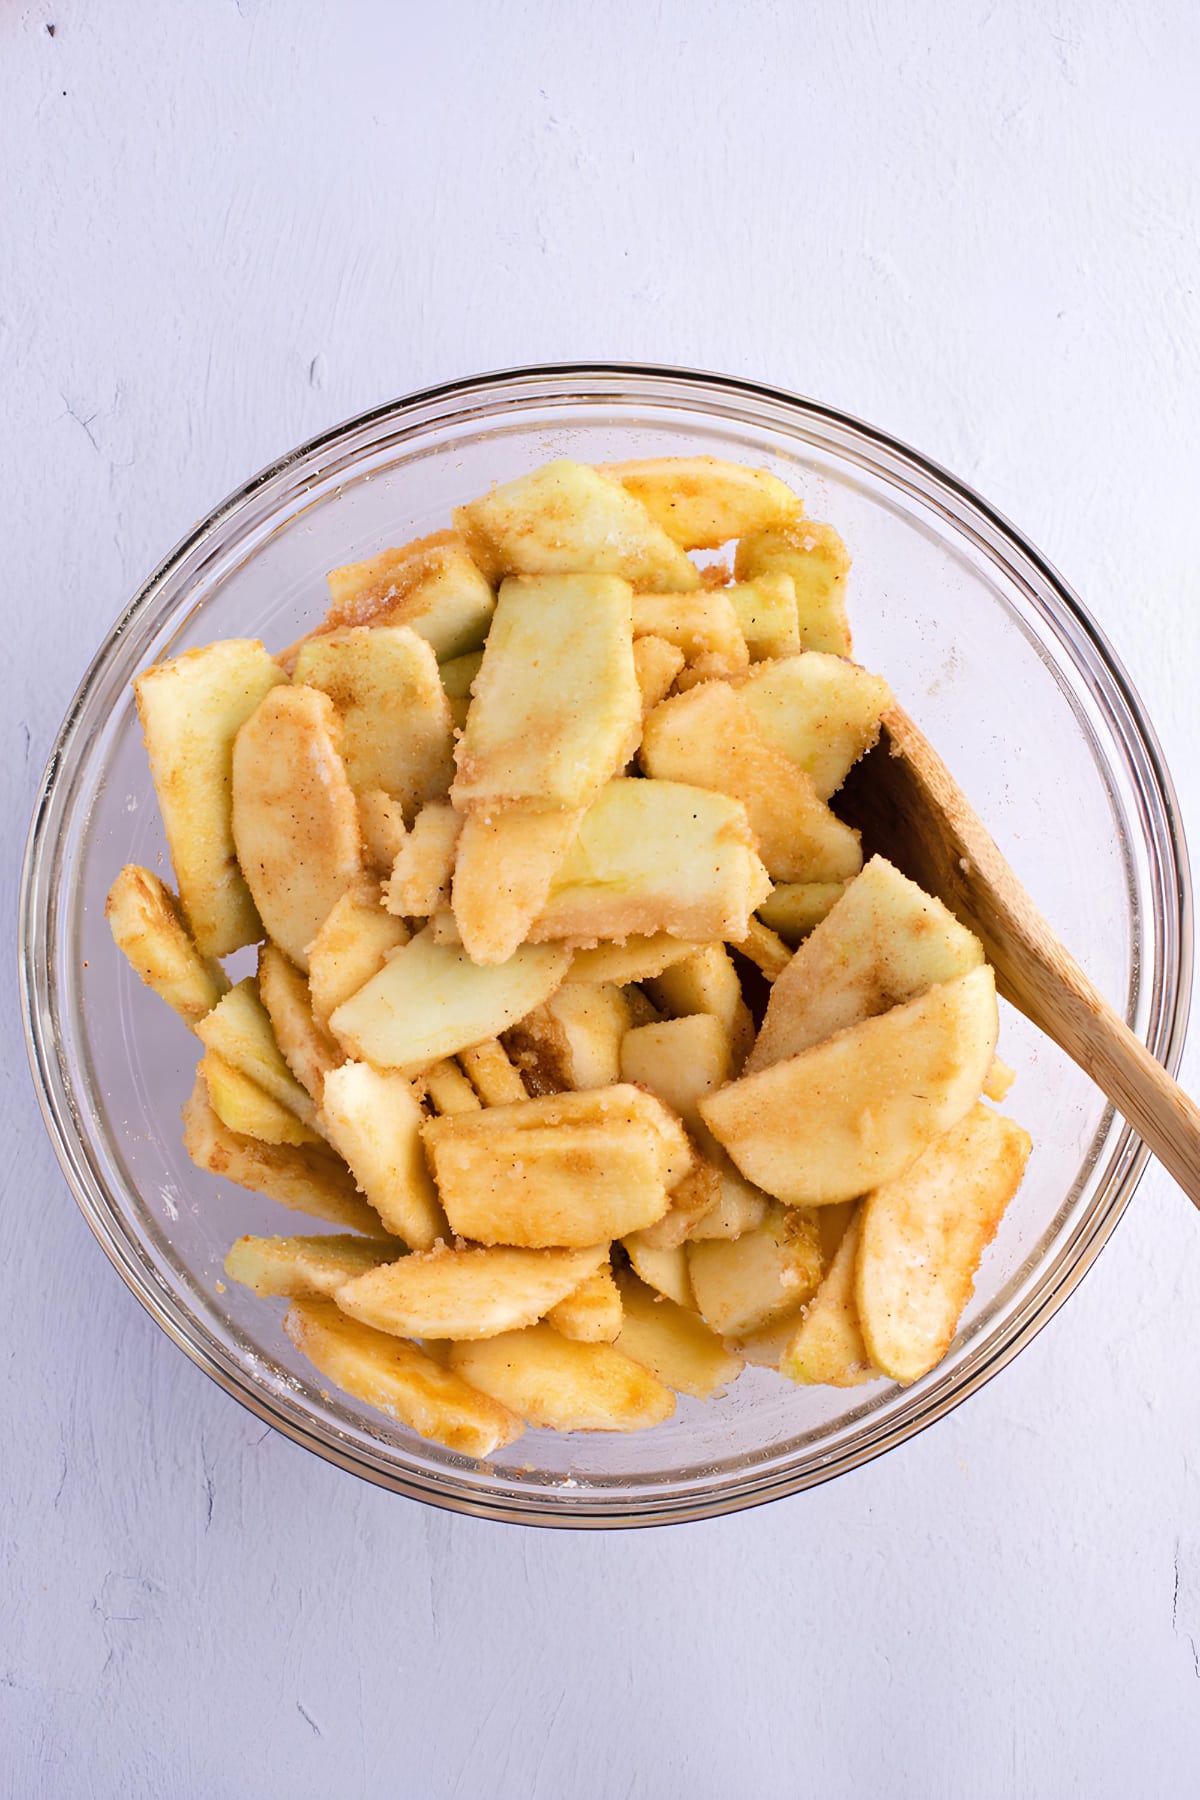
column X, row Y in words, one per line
column 226, row 226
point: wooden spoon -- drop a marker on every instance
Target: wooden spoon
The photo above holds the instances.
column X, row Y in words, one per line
column 909, row 809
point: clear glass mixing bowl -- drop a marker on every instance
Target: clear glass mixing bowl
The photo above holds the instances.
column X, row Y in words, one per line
column 983, row 644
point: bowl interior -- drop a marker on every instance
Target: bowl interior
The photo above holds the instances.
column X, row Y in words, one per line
column 979, row 645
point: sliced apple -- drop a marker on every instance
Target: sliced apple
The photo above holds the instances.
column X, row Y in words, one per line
column 637, row 959
column 305, row 1045
column 923, row 1235
column 591, row 1314
column 239, row 1029
column 651, row 857
column 566, row 1170
column 397, row 731
column 192, row 709
column 556, row 704
column 247, row 1108
column 884, row 942
column 565, row 517
column 398, row 1379
column 702, row 502
column 743, row 1284
column 573, row 1040
column 506, row 862
column 420, row 879
column 374, row 1119
column 430, row 1000
column 666, row 1271
column 852, row 1112
column 656, row 663
column 148, row 926
column 766, row 612
column 707, row 737
column 821, row 712
column 381, row 822
column 672, row 1342
column 295, row 822
column 469, row 1293
column 562, row 1383
column 737, row 1207
column 308, row 1178
column 794, row 908
column 302, row 1267
column 827, row 1345
column 816, row 559
column 447, row 1088
column 704, row 626
column 707, row 982
column 492, row 1074
column 352, row 945
column 430, row 585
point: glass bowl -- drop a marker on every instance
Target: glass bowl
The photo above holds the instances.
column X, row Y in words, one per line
column 983, row 644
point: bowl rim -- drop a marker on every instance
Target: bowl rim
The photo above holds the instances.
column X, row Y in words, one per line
column 1127, row 1157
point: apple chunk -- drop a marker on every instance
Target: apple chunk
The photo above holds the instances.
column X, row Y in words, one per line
column 816, row 559
column 564, row 517
column 565, row 1170
column 655, row 856
column 856, row 1110
column 923, row 1235
column 374, row 1119
column 820, row 711
column 301, row 1267
column 556, row 704
column 591, row 1313
column 430, row 585
column 307, row 1178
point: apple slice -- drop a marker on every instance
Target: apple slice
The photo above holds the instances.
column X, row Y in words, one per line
column 295, row 822
column 464, row 1294
column 430, row 1000
column 148, row 926
column 397, row 731
column 591, row 1314
column 565, row 1170
column 854, row 1111
column 302, row 1267
column 307, row 1178
column 827, row 1346
column 708, row 738
column 816, row 559
column 884, row 942
column 192, row 709
column 702, row 502
column 563, row 1383
column 923, row 1235
column 564, row 517
column 673, row 1343
column 352, row 945
column 400, row 1380
column 745, row 1283
column 374, row 1119
column 430, row 585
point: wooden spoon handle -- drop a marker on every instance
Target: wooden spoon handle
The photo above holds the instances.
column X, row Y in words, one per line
column 1082, row 1023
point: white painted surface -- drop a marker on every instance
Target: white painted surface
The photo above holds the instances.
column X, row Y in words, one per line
column 229, row 225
